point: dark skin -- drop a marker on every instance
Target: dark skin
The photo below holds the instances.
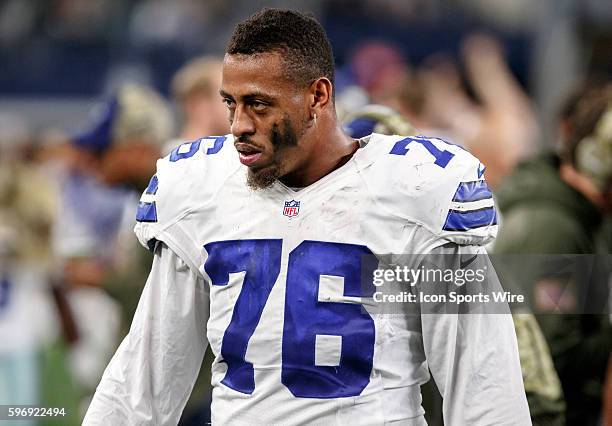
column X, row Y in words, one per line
column 274, row 115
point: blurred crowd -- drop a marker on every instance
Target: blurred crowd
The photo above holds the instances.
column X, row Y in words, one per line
column 71, row 270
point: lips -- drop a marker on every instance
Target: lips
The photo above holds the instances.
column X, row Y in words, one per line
column 248, row 154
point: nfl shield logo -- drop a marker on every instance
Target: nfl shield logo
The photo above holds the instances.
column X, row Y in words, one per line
column 292, row 208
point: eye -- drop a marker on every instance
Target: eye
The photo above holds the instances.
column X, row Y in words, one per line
column 258, row 106
column 230, row 104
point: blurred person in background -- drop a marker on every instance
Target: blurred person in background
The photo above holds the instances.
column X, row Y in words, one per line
column 554, row 204
column 497, row 123
column 378, row 67
column 27, row 314
column 508, row 130
column 374, row 73
column 109, row 162
column 195, row 88
column 376, row 119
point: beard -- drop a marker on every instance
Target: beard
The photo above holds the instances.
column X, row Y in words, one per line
column 281, row 140
column 263, row 178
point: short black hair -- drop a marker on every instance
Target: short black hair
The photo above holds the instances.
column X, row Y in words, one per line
column 297, row 36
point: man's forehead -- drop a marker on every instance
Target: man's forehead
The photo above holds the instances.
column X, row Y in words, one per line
column 257, row 72
column 263, row 63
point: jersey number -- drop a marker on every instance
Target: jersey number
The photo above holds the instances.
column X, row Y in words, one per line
column 442, row 156
column 305, row 316
column 189, row 149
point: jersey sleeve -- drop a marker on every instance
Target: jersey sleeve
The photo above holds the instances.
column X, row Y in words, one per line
column 150, row 377
column 186, row 179
column 470, row 216
column 435, row 184
column 473, row 357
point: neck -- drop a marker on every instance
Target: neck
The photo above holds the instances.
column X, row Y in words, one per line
column 330, row 149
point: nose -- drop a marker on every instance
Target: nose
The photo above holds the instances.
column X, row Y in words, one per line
column 242, row 123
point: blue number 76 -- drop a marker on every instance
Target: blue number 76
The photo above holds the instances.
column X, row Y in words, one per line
column 305, row 316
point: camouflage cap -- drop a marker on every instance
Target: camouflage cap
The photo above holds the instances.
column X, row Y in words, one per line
column 377, row 119
column 135, row 112
column 594, row 152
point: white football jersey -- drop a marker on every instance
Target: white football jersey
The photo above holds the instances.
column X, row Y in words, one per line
column 281, row 273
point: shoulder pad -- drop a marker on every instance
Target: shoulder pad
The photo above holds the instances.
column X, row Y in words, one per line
column 186, row 178
column 434, row 183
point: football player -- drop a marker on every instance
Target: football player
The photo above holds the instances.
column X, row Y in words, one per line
column 262, row 240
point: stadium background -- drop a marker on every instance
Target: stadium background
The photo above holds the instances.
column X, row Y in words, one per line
column 456, row 66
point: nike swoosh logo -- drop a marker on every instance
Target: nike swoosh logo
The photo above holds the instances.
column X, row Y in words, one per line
column 463, row 264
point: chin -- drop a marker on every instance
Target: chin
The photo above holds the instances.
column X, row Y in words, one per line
column 263, row 178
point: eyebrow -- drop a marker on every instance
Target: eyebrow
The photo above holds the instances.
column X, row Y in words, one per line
column 248, row 96
column 224, row 94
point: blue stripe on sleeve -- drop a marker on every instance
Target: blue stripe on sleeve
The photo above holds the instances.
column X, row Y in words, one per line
column 464, row 221
column 472, row 191
column 153, row 184
column 147, row 212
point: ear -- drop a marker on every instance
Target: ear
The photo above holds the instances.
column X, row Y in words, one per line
column 321, row 94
